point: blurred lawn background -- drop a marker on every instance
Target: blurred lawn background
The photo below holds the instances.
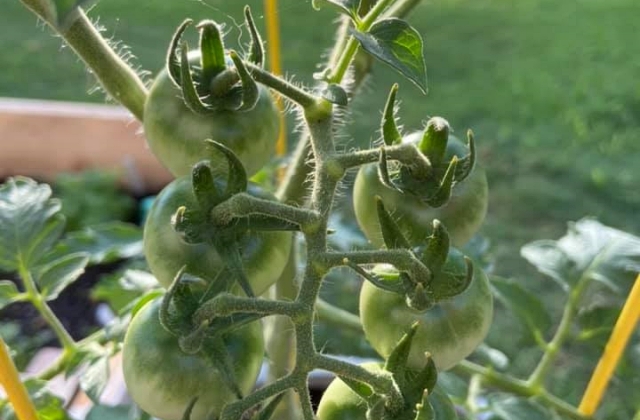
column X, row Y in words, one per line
column 550, row 89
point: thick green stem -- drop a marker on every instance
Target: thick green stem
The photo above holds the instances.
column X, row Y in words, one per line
column 119, row 80
column 406, row 153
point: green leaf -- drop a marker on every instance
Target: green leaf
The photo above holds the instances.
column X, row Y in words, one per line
column 104, row 412
column 95, row 378
column 335, row 94
column 104, row 243
column 48, row 406
column 30, row 222
column 347, row 7
column 596, row 324
column 8, row 293
column 396, row 43
column 55, row 277
column 514, row 408
column 549, row 259
column 119, row 289
column 526, row 306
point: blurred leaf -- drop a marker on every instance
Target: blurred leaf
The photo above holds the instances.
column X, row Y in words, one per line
column 596, row 324
column 347, row 7
column 396, row 43
column 49, row 406
column 549, row 259
column 105, row 243
column 95, row 378
column 527, row 307
column 56, row 276
column 119, row 289
column 9, row 293
column 589, row 249
column 453, row 385
column 490, row 356
column 514, row 408
column 104, row 412
column 30, row 222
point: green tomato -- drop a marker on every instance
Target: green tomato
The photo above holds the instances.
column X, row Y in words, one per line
column 162, row 379
column 450, row 330
column 462, row 215
column 264, row 254
column 176, row 134
column 340, row 402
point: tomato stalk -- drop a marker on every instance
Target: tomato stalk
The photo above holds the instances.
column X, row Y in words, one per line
column 116, row 76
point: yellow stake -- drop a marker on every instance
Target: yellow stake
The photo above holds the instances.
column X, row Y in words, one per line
column 10, row 381
column 613, row 351
column 273, row 51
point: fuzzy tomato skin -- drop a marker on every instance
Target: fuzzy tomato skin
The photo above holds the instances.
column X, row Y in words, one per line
column 176, row 135
column 264, row 254
column 462, row 215
column 162, row 379
column 339, row 402
column 450, row 330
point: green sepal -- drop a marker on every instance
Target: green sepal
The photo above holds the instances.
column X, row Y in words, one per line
column 466, row 164
column 419, row 299
column 188, row 224
column 204, row 186
column 172, row 61
column 363, row 390
column 218, row 354
column 449, row 284
column 256, row 46
column 269, row 409
column 212, row 56
column 434, row 140
column 390, row 286
column 192, row 342
column 237, row 178
column 435, row 253
column 443, row 193
column 189, row 93
column 390, row 133
column 391, row 234
column 174, row 321
column 396, row 363
column 249, row 88
column 376, row 410
column 229, row 253
column 383, row 171
column 424, row 409
column 189, row 409
column 425, row 379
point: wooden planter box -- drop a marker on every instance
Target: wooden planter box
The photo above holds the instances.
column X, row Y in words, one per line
column 43, row 138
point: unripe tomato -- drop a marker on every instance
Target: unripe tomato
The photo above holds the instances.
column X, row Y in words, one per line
column 162, row 379
column 339, row 402
column 450, row 330
column 176, row 134
column 462, row 215
column 264, row 254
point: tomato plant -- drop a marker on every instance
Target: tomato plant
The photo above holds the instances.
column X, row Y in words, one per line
column 176, row 134
column 162, row 379
column 449, row 331
column 264, row 254
column 340, row 402
column 462, row 215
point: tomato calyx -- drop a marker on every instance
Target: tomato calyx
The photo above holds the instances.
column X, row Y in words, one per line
column 450, row 272
column 222, row 80
column 431, row 180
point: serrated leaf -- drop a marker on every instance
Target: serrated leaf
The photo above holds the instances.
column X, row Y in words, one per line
column 549, row 259
column 527, row 307
column 48, row 406
column 104, row 243
column 396, row 43
column 95, row 378
column 9, row 293
column 514, row 408
column 30, row 222
column 104, row 412
column 347, row 7
column 56, row 276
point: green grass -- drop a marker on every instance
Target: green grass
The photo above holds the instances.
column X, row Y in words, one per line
column 550, row 89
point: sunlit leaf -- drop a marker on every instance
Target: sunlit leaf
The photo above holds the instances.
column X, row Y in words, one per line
column 95, row 378
column 9, row 293
column 517, row 408
column 55, row 277
column 398, row 44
